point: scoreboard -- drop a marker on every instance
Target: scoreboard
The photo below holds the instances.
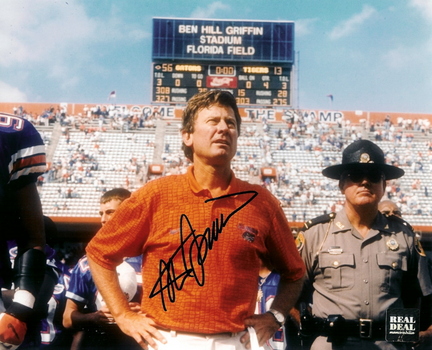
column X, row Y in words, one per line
column 250, row 83
column 250, row 58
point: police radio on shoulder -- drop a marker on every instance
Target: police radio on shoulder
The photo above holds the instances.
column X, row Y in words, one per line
column 280, row 318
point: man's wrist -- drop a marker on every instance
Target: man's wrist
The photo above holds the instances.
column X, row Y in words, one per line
column 279, row 316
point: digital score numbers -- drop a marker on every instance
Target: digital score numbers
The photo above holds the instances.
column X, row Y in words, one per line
column 250, row 84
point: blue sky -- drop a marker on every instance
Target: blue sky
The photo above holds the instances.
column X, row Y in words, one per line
column 370, row 55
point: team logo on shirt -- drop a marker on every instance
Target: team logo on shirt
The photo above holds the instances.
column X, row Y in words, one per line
column 249, row 233
column 58, row 289
column 13, row 252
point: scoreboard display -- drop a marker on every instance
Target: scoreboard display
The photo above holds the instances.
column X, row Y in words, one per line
column 251, row 84
column 252, row 59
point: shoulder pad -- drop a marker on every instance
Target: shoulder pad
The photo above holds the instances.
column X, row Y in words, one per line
column 400, row 220
column 318, row 220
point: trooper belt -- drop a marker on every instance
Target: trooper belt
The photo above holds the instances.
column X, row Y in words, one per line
column 174, row 334
column 337, row 326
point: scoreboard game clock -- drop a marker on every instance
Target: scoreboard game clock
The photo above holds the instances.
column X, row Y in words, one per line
column 251, row 84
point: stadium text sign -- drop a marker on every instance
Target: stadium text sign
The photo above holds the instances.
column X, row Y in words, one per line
column 198, row 39
column 258, row 114
column 326, row 117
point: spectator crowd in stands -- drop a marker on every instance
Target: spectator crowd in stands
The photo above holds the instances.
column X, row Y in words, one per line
column 262, row 143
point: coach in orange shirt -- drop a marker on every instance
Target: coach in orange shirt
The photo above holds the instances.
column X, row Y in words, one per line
column 203, row 236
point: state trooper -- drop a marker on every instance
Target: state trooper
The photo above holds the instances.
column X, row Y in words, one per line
column 358, row 260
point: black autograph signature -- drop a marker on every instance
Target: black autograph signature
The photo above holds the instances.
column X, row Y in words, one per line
column 194, row 257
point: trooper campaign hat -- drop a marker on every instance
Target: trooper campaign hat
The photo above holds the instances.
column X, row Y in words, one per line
column 363, row 154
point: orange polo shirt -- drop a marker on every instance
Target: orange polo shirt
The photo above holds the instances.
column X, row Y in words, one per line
column 201, row 255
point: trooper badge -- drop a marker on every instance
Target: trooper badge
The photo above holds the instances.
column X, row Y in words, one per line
column 392, row 244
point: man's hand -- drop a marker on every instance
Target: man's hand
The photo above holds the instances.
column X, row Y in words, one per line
column 141, row 328
column 265, row 326
column 12, row 331
column 98, row 318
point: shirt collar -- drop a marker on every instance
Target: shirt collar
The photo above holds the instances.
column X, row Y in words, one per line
column 197, row 189
column 343, row 224
column 381, row 223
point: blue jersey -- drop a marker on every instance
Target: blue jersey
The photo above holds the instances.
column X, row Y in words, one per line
column 22, row 153
column 49, row 328
column 266, row 293
column 22, row 161
column 82, row 288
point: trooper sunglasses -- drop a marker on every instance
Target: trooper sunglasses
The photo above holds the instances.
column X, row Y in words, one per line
column 358, row 175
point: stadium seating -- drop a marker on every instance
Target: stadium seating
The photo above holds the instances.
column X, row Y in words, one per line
column 84, row 164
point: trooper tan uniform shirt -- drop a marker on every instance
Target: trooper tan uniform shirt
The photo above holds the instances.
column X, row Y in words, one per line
column 362, row 278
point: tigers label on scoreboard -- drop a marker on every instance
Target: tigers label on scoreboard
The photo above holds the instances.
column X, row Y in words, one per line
column 251, row 59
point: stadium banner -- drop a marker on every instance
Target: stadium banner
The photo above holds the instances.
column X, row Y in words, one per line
column 223, row 40
column 167, row 112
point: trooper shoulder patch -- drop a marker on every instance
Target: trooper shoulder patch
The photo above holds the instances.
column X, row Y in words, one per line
column 318, row 220
column 419, row 247
column 300, row 241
